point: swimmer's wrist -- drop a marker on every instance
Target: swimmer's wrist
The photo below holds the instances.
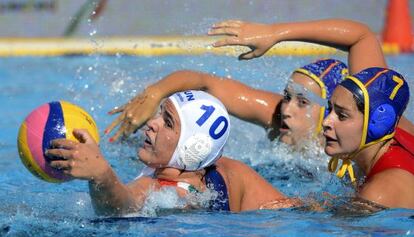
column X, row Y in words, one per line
column 158, row 92
column 155, row 92
column 107, row 176
column 279, row 32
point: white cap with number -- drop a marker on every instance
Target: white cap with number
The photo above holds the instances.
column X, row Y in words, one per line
column 205, row 127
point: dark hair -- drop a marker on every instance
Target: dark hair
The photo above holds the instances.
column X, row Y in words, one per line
column 359, row 104
column 357, row 93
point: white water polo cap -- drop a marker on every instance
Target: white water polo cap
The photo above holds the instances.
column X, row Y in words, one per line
column 205, row 127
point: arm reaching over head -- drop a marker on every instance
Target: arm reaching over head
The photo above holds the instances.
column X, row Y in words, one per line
column 84, row 161
column 241, row 100
column 356, row 38
column 362, row 44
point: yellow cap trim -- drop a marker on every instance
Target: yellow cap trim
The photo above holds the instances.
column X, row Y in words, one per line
column 384, row 138
column 366, row 109
column 346, row 163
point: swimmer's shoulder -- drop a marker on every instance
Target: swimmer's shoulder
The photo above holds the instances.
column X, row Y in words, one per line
column 390, row 188
column 252, row 189
column 231, row 170
column 226, row 163
column 239, row 172
column 234, row 169
column 226, row 167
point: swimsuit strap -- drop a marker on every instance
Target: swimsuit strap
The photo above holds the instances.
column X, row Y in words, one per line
column 215, row 181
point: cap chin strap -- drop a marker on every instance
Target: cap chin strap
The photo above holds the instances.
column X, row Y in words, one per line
column 346, row 166
column 346, row 161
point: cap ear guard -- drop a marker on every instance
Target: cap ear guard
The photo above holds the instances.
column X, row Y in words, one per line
column 194, row 151
column 385, row 95
column 381, row 121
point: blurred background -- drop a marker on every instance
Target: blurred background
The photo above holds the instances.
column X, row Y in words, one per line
column 84, row 18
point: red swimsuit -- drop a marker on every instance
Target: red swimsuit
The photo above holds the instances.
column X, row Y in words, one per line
column 400, row 154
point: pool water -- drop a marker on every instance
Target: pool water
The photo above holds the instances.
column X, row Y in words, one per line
column 98, row 83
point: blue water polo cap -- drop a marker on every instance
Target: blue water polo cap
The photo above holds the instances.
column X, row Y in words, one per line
column 327, row 73
column 384, row 94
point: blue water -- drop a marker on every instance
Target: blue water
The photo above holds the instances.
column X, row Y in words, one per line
column 98, row 83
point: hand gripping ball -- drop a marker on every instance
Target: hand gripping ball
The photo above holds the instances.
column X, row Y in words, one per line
column 44, row 124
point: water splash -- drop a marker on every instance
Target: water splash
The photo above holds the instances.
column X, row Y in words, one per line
column 167, row 198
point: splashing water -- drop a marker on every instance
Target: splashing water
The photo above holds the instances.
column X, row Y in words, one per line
column 167, row 198
column 33, row 207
